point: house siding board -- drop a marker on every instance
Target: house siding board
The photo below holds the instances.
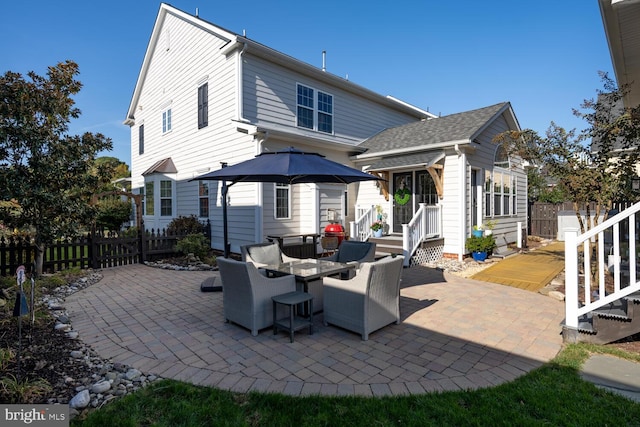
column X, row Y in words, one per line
column 173, row 76
column 505, row 230
column 451, row 203
column 270, row 98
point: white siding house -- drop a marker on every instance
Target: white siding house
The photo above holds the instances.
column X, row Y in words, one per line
column 450, row 162
column 206, row 96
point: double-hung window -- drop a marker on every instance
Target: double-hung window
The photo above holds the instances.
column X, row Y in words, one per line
column 203, row 195
column 166, row 198
column 500, row 187
column 315, row 109
column 148, row 198
column 282, row 201
column 166, row 120
column 203, row 106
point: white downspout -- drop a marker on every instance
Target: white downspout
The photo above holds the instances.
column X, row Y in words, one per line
column 462, row 160
column 239, row 91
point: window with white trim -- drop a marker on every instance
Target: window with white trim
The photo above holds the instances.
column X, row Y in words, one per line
column 141, row 139
column 203, row 106
column 148, row 198
column 282, row 202
column 166, row 197
column 314, row 109
column 203, row 196
column 500, row 187
column 166, row 120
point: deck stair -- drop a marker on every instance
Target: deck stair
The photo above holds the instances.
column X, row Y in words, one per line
column 612, row 322
column 387, row 245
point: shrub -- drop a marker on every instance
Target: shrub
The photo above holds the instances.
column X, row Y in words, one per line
column 480, row 244
column 184, row 225
column 112, row 213
column 195, row 244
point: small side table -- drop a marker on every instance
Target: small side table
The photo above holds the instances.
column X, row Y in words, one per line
column 294, row 322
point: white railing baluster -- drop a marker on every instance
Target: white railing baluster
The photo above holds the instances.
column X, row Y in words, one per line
column 586, row 250
column 571, row 277
column 604, row 249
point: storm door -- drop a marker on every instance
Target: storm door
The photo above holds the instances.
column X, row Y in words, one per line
column 402, row 200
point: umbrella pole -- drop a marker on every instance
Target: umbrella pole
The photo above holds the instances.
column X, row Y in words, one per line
column 225, row 228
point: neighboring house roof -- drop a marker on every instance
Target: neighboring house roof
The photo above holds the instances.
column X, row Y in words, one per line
column 621, row 19
column 435, row 133
column 244, row 44
column 161, row 166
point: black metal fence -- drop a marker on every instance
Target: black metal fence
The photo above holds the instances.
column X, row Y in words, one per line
column 93, row 250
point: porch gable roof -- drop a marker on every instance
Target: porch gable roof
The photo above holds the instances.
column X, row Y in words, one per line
column 436, row 132
column 415, row 160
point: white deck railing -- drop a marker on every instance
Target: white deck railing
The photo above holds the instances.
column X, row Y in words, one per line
column 360, row 229
column 427, row 222
column 616, row 250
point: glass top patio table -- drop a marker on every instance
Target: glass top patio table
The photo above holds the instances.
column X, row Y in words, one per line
column 310, row 269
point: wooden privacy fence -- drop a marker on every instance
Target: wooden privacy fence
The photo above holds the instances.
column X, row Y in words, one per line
column 543, row 217
column 90, row 251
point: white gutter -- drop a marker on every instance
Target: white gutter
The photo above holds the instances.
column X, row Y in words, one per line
column 409, row 150
column 462, row 160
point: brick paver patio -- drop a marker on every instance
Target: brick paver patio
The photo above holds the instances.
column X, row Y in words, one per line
column 456, row 334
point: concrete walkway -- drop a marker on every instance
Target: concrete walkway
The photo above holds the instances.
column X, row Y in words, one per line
column 455, row 334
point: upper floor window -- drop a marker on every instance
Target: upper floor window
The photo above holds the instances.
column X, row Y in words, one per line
column 282, row 201
column 141, row 139
column 166, row 197
column 203, row 105
column 203, row 195
column 166, row 120
column 315, row 109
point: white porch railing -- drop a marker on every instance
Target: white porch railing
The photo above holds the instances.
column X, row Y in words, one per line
column 427, row 222
column 608, row 232
column 360, row 229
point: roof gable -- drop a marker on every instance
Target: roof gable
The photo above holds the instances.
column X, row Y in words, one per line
column 161, row 166
column 240, row 43
column 156, row 33
column 438, row 132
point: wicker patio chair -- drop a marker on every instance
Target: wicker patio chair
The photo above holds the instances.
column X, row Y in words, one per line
column 246, row 294
column 261, row 254
column 368, row 301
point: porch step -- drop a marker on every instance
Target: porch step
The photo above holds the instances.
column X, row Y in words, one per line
column 615, row 321
column 387, row 245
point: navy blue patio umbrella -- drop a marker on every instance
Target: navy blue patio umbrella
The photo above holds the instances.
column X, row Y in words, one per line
column 289, row 166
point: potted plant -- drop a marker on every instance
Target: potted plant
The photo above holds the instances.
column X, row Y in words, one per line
column 376, row 227
column 478, row 230
column 480, row 246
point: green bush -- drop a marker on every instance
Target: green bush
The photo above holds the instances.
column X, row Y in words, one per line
column 184, row 225
column 112, row 213
column 480, row 244
column 195, row 244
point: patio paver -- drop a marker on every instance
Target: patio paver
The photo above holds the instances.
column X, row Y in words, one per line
column 455, row 334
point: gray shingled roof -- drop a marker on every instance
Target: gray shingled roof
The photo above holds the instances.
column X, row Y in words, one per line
column 454, row 127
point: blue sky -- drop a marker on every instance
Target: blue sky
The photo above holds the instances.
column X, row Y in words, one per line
column 445, row 56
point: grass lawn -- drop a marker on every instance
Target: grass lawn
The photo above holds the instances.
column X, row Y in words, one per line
column 553, row 395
